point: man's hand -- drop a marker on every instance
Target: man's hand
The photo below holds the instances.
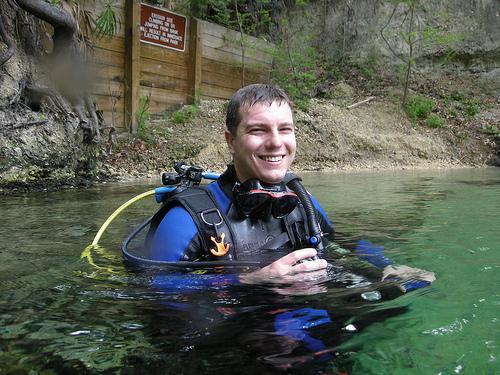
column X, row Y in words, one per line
column 293, row 267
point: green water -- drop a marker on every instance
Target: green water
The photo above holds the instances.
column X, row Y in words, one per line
column 59, row 314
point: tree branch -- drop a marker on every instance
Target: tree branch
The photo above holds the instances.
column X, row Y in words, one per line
column 383, row 36
column 11, row 48
column 63, row 23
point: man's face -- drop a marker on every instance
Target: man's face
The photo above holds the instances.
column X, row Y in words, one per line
column 264, row 145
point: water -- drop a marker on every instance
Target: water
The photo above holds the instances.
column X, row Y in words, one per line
column 60, row 314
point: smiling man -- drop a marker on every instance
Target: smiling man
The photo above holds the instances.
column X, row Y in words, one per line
column 249, row 213
column 261, row 139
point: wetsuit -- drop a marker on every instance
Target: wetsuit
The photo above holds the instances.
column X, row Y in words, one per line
column 177, row 237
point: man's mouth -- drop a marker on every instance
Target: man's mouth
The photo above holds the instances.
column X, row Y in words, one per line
column 272, row 159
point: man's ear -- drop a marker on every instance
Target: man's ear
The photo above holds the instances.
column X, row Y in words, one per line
column 229, row 141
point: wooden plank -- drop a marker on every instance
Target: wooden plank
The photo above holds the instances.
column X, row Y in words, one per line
column 164, row 54
column 211, row 91
column 219, row 31
column 230, row 39
column 116, row 44
column 161, row 100
column 212, row 66
column 109, row 58
column 195, row 59
column 132, row 61
column 113, row 95
column 166, row 83
column 107, row 73
column 231, row 58
column 215, row 66
column 113, row 115
column 234, row 46
column 232, row 85
column 116, row 120
column 107, row 87
column 106, row 104
column 161, row 95
column 163, row 68
column 232, row 81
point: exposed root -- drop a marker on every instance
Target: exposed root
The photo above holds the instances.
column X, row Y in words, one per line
column 11, row 48
column 13, row 126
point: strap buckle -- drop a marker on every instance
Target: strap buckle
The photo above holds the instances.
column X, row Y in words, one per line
column 216, row 210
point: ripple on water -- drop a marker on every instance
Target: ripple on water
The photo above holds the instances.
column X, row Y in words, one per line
column 456, row 326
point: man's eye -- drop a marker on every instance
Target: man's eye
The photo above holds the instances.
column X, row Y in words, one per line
column 287, row 130
column 256, row 131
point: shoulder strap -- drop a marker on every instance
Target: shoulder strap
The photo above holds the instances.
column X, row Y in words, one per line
column 216, row 236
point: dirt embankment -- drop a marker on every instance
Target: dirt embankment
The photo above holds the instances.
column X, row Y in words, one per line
column 375, row 135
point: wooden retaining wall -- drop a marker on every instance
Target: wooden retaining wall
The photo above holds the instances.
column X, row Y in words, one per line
column 126, row 68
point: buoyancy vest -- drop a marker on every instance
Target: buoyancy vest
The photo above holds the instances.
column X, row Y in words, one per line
column 224, row 235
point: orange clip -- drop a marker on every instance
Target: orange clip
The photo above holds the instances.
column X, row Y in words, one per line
column 222, row 248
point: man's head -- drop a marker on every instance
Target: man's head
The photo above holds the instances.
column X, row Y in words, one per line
column 260, row 133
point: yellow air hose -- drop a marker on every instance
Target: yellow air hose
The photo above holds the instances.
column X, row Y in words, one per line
column 117, row 212
column 87, row 252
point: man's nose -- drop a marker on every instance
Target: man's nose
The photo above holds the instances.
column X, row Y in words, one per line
column 275, row 139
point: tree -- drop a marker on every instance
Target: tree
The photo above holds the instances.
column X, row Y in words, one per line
column 415, row 31
column 67, row 89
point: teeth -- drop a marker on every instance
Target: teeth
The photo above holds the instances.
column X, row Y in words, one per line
column 272, row 158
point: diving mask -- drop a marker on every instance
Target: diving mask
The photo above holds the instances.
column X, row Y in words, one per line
column 253, row 197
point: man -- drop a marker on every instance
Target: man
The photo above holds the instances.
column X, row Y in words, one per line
column 255, row 207
column 261, row 138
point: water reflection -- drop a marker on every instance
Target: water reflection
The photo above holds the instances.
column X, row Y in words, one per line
column 213, row 327
column 60, row 313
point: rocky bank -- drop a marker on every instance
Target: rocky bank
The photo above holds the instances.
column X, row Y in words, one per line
column 330, row 137
column 40, row 152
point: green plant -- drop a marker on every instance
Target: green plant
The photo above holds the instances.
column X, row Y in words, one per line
column 462, row 104
column 434, row 121
column 492, row 130
column 458, row 96
column 453, row 112
column 296, row 72
column 418, row 107
column 191, row 111
column 106, row 23
column 254, row 17
column 142, row 117
column 471, row 107
column 178, row 117
column 185, row 114
column 334, row 73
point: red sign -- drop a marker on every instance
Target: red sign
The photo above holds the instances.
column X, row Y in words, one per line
column 162, row 28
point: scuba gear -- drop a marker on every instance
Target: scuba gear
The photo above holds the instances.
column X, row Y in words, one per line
column 315, row 233
column 208, row 206
column 253, row 197
column 186, row 176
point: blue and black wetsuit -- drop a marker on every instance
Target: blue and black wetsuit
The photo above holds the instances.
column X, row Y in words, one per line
column 177, row 236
